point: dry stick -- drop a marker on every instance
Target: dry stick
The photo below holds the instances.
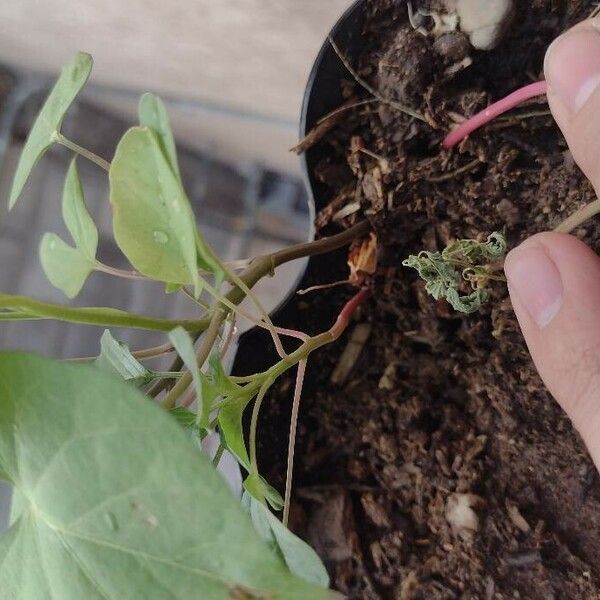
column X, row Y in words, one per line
column 397, row 105
column 447, row 176
column 325, row 124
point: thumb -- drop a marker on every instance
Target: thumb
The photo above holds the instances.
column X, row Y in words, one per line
column 554, row 279
column 554, row 284
column 572, row 69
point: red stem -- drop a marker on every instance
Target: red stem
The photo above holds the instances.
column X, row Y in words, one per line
column 456, row 136
column 348, row 310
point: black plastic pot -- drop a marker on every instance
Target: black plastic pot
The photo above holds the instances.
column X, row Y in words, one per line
column 322, row 95
column 324, row 92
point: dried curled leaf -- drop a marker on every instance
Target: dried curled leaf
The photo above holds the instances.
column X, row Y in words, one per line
column 462, row 260
column 362, row 260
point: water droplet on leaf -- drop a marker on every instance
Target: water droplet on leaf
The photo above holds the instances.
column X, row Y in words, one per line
column 160, row 236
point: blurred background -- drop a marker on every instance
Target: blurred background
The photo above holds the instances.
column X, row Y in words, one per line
column 232, row 73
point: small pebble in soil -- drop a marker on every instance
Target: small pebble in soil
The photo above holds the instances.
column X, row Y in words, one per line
column 484, row 21
column 452, row 46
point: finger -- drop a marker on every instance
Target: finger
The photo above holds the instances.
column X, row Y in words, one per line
column 572, row 69
column 554, row 284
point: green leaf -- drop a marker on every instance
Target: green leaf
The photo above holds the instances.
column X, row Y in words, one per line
column 152, row 218
column 182, row 342
column 171, row 288
column 66, row 267
column 116, row 358
column 117, row 503
column 232, row 431
column 76, row 216
column 262, row 491
column 45, row 130
column 300, row 558
column 153, row 114
column 186, row 418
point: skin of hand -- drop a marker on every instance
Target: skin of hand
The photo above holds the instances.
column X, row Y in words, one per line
column 553, row 278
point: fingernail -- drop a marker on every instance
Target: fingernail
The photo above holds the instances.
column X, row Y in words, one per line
column 572, row 66
column 536, row 281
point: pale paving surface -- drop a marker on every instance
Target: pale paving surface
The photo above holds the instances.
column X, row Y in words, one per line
column 253, row 56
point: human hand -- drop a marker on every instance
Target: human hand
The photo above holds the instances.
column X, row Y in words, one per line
column 553, row 278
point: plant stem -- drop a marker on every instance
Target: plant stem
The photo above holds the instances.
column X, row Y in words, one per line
column 218, row 455
column 208, row 341
column 103, row 164
column 99, row 316
column 578, row 218
column 266, row 379
column 292, row 440
column 102, row 268
column 254, row 424
column 539, row 88
column 264, row 265
column 139, row 354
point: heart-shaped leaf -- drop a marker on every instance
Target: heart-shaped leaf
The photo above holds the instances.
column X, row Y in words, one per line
column 66, row 267
column 115, row 502
column 46, row 128
column 152, row 218
column 153, row 114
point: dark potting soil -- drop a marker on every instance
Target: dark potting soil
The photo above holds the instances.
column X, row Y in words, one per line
column 438, row 466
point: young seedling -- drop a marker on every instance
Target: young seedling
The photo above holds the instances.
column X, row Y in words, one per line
column 463, row 261
column 109, row 486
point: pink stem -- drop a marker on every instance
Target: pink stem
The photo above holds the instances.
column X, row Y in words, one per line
column 292, row 440
column 348, row 310
column 456, row 136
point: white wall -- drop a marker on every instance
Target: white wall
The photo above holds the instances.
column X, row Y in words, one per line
column 253, row 55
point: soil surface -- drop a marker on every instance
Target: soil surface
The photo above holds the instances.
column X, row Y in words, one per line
column 438, row 466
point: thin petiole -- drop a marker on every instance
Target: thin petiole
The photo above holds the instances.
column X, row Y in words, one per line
column 218, row 455
column 146, row 353
column 98, row 160
column 102, row 268
column 578, row 218
column 292, row 439
column 254, row 423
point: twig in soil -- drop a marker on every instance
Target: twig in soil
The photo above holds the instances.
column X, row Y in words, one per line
column 397, row 105
column 447, row 176
column 525, row 115
column 578, row 218
column 496, row 109
column 326, row 124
